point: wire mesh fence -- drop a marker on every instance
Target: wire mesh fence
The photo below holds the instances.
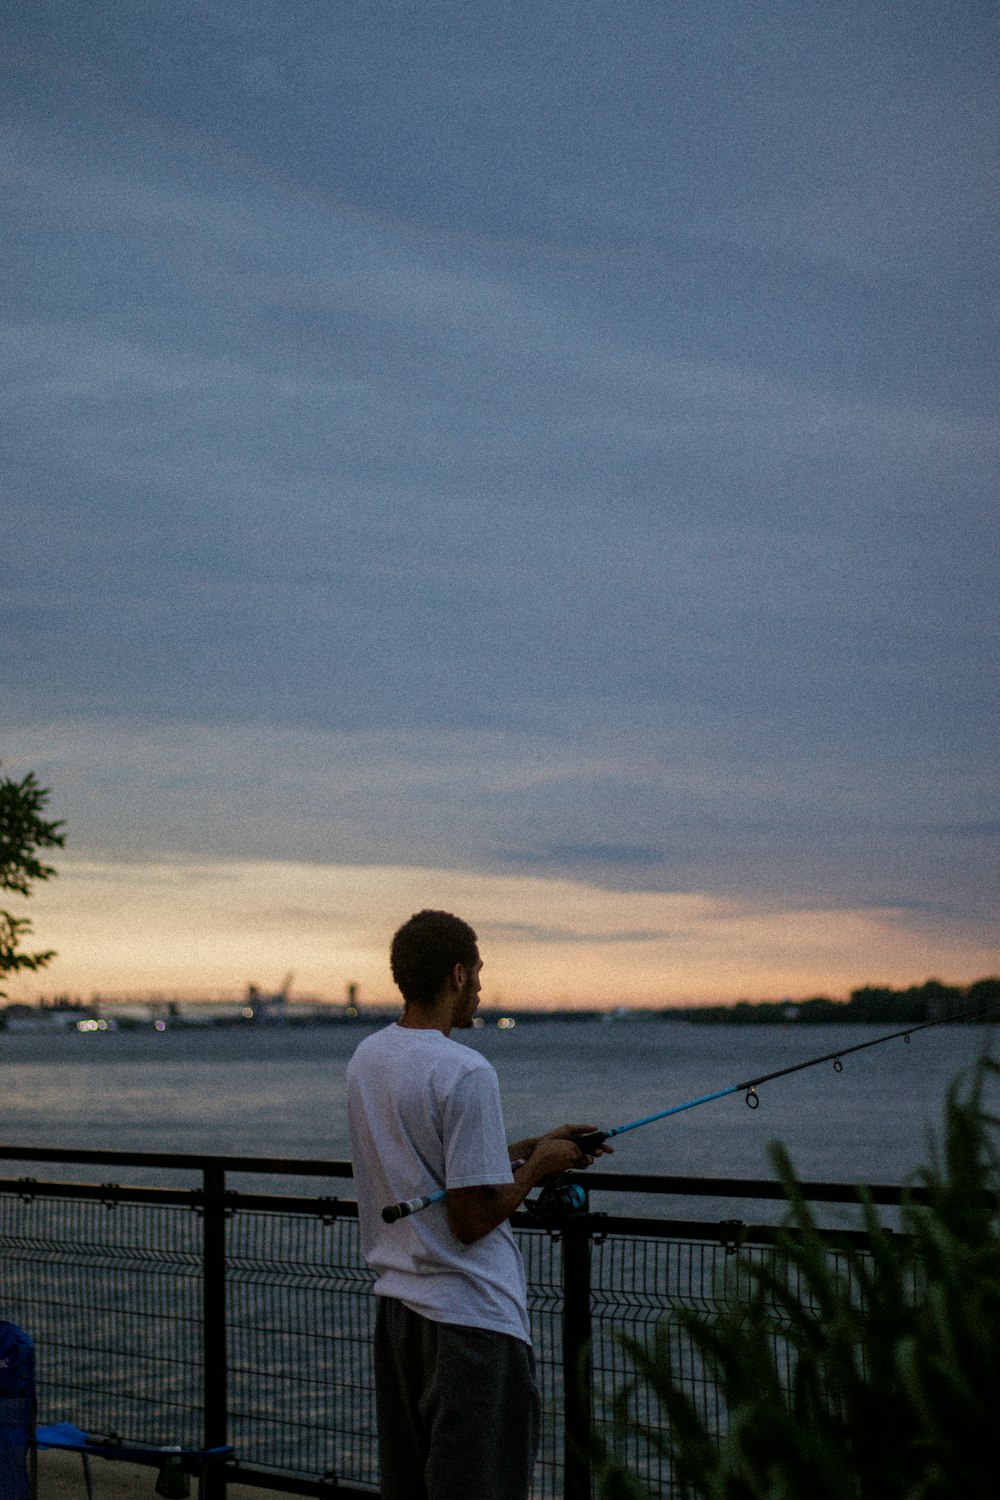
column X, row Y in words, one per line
column 112, row 1290
column 300, row 1313
column 112, row 1297
column 642, row 1290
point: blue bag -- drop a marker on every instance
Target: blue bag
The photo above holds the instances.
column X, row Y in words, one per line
column 17, row 1410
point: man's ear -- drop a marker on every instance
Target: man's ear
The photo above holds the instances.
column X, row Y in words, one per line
column 459, row 974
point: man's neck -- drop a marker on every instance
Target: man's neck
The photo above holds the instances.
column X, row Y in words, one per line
column 437, row 1017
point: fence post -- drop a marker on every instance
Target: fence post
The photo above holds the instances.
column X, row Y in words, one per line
column 214, row 1321
column 576, row 1353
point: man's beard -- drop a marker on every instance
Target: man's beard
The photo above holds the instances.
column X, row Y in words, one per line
column 468, row 1009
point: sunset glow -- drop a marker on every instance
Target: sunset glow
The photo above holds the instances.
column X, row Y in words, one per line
column 206, row 930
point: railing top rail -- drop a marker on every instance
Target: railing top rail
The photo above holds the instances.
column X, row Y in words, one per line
column 189, row 1161
column 741, row 1187
column 595, row 1182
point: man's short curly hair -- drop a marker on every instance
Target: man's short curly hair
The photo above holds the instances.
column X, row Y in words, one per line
column 424, row 952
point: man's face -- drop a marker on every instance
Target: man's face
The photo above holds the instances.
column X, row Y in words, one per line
column 469, row 998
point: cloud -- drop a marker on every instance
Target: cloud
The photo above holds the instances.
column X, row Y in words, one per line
column 599, row 854
column 393, row 483
column 684, row 811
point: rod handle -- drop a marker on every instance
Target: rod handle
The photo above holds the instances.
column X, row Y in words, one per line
column 394, row 1211
column 589, row 1140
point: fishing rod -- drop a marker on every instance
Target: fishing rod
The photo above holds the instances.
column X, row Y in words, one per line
column 403, row 1210
column 750, row 1086
column 590, row 1140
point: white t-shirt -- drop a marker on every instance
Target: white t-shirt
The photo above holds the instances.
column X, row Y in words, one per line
column 424, row 1113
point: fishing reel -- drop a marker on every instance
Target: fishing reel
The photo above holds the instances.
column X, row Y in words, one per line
column 559, row 1199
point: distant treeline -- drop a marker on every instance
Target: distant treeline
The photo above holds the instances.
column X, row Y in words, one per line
column 931, row 1001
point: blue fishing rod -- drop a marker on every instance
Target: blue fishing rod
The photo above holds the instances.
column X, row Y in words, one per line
column 396, row 1211
column 591, row 1139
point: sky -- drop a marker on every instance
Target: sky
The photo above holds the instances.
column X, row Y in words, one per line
column 539, row 461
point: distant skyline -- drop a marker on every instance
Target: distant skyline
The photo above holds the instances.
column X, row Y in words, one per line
column 540, row 461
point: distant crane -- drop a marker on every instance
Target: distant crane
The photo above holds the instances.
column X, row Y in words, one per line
column 268, row 1008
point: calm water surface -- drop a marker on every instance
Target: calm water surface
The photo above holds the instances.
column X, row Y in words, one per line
column 281, row 1092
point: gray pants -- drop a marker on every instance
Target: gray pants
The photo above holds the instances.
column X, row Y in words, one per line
column 458, row 1409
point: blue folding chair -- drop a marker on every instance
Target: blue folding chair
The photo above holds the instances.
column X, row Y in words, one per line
column 174, row 1463
column 21, row 1439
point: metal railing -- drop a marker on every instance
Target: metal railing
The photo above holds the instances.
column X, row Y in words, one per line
column 205, row 1315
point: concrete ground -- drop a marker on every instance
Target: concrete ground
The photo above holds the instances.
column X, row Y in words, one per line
column 60, row 1477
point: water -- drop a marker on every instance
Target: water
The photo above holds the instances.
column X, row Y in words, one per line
column 280, row 1092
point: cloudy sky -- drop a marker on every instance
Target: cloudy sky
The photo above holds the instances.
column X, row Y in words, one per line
column 534, row 459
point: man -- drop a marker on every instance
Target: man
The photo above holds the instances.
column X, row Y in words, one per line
column 458, row 1409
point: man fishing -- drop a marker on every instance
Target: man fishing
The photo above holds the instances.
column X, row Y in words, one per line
column 458, row 1408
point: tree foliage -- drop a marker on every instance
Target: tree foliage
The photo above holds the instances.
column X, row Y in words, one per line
column 873, row 1004
column 24, row 832
column 895, row 1381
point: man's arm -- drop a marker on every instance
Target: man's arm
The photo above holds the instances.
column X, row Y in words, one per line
column 475, row 1211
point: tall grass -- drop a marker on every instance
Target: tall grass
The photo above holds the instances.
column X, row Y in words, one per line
column 870, row 1375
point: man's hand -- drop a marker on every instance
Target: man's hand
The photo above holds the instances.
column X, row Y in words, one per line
column 475, row 1211
column 555, row 1154
column 523, row 1150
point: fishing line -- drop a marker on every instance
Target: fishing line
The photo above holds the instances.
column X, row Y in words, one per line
column 594, row 1138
